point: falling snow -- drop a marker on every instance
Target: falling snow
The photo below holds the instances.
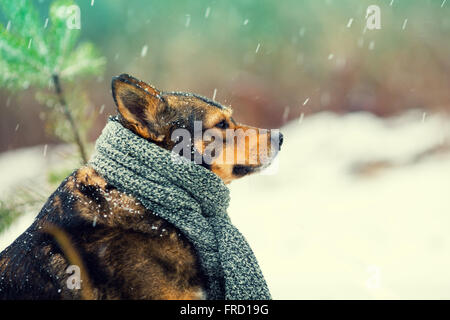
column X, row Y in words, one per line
column 404, row 24
column 286, row 113
column 349, row 24
column 144, row 51
column 300, row 120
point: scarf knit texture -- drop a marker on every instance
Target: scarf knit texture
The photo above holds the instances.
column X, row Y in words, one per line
column 191, row 198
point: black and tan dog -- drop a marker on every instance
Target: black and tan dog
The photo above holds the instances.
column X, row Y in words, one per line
column 121, row 255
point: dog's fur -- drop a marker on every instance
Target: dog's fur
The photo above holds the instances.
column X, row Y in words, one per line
column 123, row 255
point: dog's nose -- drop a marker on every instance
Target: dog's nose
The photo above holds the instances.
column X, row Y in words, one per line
column 277, row 139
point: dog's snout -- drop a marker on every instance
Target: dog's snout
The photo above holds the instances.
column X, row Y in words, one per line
column 280, row 141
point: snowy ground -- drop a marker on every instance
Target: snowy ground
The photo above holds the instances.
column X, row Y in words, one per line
column 319, row 229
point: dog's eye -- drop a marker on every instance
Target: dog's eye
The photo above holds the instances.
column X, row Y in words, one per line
column 222, row 125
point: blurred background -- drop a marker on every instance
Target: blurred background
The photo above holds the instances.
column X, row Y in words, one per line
column 364, row 114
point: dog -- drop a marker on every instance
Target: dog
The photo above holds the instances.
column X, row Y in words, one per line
column 124, row 256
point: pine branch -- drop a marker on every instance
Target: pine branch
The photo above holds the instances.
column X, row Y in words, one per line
column 33, row 56
column 68, row 115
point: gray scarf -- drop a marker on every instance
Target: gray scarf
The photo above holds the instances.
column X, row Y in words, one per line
column 191, row 198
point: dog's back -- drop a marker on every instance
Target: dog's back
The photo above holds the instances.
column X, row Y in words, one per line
column 127, row 256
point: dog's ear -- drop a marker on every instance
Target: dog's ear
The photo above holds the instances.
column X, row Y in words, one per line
column 139, row 104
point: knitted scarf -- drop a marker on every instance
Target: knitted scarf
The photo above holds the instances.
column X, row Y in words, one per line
column 191, row 198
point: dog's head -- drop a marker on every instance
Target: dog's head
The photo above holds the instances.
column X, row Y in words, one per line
column 194, row 127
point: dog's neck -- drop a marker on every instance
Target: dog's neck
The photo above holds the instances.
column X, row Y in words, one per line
column 135, row 165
